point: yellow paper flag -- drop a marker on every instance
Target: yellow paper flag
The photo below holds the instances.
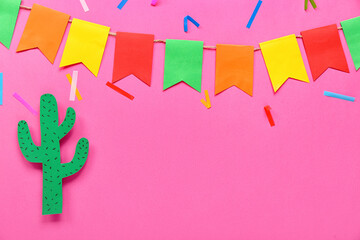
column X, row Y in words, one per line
column 283, row 60
column 85, row 44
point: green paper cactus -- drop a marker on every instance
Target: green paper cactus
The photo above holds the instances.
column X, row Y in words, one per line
column 49, row 152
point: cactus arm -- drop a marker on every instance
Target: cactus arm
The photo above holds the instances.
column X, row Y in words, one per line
column 67, row 124
column 31, row 152
column 81, row 153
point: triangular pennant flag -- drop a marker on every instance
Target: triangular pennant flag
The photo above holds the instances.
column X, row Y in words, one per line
column 133, row 55
column 9, row 10
column 234, row 67
column 183, row 62
column 324, row 50
column 283, row 60
column 85, row 44
column 44, row 30
column 352, row 35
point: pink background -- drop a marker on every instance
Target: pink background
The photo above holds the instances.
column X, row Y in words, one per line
column 165, row 167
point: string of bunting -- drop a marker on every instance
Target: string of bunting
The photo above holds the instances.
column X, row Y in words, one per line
column 86, row 43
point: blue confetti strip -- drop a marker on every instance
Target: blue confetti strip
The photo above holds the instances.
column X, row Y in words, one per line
column 122, row 3
column 191, row 20
column 339, row 96
column 254, row 14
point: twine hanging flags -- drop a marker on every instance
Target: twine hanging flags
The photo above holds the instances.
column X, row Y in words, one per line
column 183, row 63
column 352, row 35
column 234, row 67
column 85, row 44
column 133, row 55
column 44, row 30
column 283, row 60
column 9, row 10
column 324, row 50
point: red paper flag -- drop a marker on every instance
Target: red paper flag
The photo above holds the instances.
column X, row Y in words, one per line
column 324, row 50
column 133, row 55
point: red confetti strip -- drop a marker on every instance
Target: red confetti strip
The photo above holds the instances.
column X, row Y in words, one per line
column 119, row 90
column 269, row 116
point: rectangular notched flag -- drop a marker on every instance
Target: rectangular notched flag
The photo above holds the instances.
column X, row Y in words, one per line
column 283, row 60
column 183, row 63
column 44, row 30
column 133, row 55
column 351, row 30
column 9, row 10
column 324, row 50
column 85, row 44
column 234, row 67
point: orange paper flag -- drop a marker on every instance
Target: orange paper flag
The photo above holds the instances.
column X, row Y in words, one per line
column 133, row 55
column 234, row 67
column 44, row 30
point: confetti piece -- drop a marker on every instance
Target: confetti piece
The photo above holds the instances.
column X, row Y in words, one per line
column 206, row 102
column 122, row 3
column 188, row 18
column 84, row 5
column 339, row 96
column 269, row 116
column 77, row 91
column 254, row 14
column 313, row 4
column 153, row 2
column 73, row 85
column 119, row 90
column 20, row 99
column 1, row 89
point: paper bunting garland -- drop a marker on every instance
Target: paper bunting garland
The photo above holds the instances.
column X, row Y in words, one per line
column 183, row 58
column 324, row 50
column 352, row 35
column 85, row 44
column 283, row 60
column 234, row 67
column 183, row 63
column 44, row 30
column 9, row 10
column 49, row 152
column 133, row 55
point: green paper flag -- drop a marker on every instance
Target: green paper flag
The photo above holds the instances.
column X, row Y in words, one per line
column 183, row 62
column 9, row 10
column 351, row 30
column 49, row 152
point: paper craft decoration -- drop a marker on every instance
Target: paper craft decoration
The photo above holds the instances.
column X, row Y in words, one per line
column 188, row 18
column 9, row 10
column 324, row 50
column 68, row 76
column 283, row 60
column 253, row 15
column 1, row 88
column 44, row 30
column 339, row 96
column 119, row 90
column 85, row 44
column 183, row 62
column 313, row 4
column 234, row 67
column 206, row 102
column 49, row 152
column 352, row 34
column 133, row 55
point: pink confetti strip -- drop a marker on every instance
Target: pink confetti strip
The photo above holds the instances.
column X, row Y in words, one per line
column 153, row 2
column 73, row 85
column 20, row 99
column 84, row 5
